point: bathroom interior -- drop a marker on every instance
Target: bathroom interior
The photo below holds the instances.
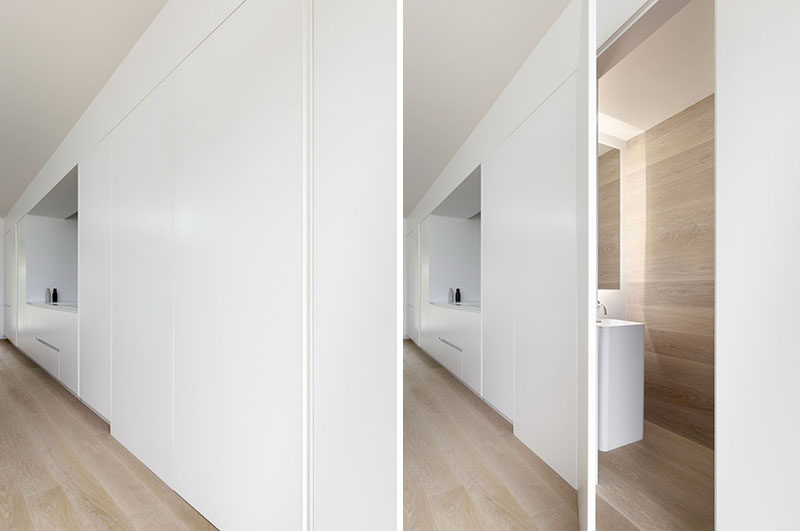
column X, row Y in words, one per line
column 656, row 276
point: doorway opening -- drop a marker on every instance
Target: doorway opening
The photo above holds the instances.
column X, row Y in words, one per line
column 656, row 271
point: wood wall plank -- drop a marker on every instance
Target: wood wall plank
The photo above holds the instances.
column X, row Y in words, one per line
column 608, row 220
column 669, row 195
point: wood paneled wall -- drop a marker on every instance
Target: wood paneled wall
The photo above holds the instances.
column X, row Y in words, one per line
column 669, row 189
column 608, row 200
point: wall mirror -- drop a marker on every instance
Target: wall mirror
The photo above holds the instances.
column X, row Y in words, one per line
column 608, row 217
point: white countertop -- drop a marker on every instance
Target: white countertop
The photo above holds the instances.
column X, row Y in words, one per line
column 468, row 306
column 604, row 323
column 66, row 306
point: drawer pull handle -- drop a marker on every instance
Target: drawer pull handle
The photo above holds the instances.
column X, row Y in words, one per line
column 446, row 342
column 45, row 343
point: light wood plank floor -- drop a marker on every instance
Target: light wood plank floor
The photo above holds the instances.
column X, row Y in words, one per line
column 463, row 467
column 61, row 469
column 664, row 481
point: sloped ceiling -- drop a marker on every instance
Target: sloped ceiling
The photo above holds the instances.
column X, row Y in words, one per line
column 458, row 56
column 55, row 56
column 671, row 70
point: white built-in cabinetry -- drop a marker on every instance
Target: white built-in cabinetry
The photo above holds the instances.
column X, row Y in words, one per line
column 454, row 340
column 9, row 285
column 411, row 252
column 205, row 317
column 94, row 272
column 50, row 339
column 451, row 335
column 237, row 180
column 531, row 278
column 141, row 268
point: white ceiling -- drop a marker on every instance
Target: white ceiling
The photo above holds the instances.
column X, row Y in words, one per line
column 465, row 201
column 62, row 201
column 55, row 56
column 458, row 57
column 668, row 72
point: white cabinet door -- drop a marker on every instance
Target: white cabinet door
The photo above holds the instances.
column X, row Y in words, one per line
column 540, row 156
column 470, row 337
column 445, row 341
column 427, row 340
column 141, row 406
column 498, row 211
column 40, row 342
column 238, row 204
column 94, row 229
column 10, row 285
column 412, row 285
column 62, row 331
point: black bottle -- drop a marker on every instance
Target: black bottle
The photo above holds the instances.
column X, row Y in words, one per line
column 55, row 295
column 458, row 294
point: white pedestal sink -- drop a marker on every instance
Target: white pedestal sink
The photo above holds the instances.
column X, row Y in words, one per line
column 620, row 349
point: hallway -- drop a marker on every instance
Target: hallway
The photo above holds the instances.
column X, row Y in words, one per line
column 463, row 467
column 61, row 469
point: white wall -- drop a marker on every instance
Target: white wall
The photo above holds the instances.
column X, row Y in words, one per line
column 758, row 258
column 454, row 258
column 356, row 265
column 205, row 132
column 51, row 247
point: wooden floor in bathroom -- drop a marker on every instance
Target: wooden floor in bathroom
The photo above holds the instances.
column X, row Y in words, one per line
column 664, row 481
column 463, row 467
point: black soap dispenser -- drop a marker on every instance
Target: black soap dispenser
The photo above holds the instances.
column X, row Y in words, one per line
column 55, row 295
column 458, row 295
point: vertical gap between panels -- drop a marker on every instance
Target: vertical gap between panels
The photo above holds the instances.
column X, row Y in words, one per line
column 307, row 398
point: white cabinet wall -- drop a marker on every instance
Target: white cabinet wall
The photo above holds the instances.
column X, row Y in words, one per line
column 456, row 343
column 540, row 158
column 141, row 310
column 52, row 342
column 9, row 284
column 498, row 206
column 192, row 161
column 412, row 285
column 237, row 270
column 94, row 268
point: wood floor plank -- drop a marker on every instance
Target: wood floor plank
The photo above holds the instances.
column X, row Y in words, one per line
column 14, row 512
column 52, row 510
column 455, row 511
column 417, row 512
column 609, row 519
column 61, row 469
column 505, row 485
column 665, row 481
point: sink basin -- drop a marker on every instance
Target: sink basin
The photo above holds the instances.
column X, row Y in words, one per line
column 620, row 350
column 615, row 322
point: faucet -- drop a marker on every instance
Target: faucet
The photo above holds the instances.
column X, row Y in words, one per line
column 599, row 304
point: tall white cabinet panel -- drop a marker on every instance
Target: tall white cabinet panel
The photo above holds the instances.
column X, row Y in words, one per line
column 94, row 267
column 498, row 211
column 541, row 158
column 141, row 310
column 355, row 270
column 412, row 285
column 9, row 285
column 238, row 270
column 427, row 341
